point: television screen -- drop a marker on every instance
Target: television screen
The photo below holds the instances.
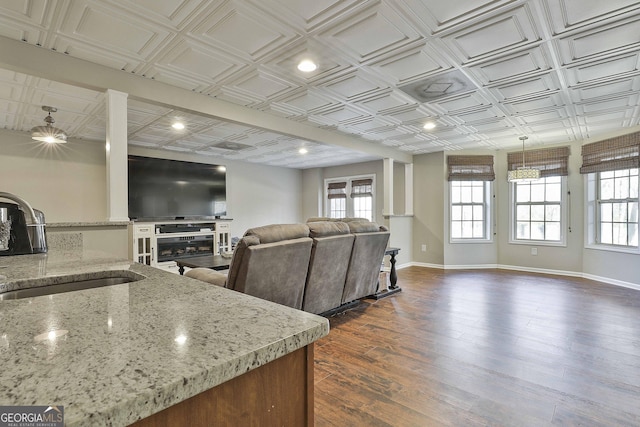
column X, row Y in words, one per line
column 172, row 189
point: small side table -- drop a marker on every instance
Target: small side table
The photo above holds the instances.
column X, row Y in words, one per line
column 393, row 276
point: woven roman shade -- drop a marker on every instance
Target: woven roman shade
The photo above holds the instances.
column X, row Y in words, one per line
column 550, row 161
column 337, row 190
column 470, row 168
column 361, row 188
column 621, row 152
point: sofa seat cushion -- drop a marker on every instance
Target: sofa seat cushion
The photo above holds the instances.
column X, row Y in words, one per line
column 208, row 275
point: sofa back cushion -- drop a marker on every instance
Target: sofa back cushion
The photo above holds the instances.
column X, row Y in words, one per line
column 275, row 271
column 364, row 264
column 363, row 226
column 332, row 245
column 278, row 232
column 327, row 228
column 271, row 263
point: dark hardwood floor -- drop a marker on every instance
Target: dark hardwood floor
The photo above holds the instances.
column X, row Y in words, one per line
column 483, row 348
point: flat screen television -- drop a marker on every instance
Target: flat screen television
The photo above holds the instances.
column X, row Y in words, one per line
column 162, row 189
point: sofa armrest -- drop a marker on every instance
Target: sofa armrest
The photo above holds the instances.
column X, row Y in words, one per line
column 207, row 275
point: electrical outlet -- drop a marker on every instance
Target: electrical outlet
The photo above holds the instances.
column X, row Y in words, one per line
column 534, row 251
column 424, row 247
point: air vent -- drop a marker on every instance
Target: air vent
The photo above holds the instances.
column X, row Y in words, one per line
column 229, row 145
column 439, row 86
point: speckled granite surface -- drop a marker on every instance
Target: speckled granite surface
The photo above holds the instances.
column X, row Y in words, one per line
column 88, row 224
column 116, row 354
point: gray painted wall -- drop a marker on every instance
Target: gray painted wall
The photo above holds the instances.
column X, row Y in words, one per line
column 68, row 182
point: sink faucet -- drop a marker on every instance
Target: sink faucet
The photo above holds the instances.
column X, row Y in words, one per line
column 30, row 215
column 34, row 220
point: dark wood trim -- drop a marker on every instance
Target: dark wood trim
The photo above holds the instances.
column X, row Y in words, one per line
column 277, row 394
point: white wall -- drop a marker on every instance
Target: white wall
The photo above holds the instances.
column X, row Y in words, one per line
column 68, row 182
column 256, row 194
column 364, row 168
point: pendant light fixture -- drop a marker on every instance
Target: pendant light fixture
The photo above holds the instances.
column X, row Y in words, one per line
column 523, row 173
column 49, row 133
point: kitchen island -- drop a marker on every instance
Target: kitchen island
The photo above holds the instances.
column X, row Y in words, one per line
column 164, row 345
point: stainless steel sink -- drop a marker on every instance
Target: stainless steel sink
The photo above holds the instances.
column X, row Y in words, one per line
column 69, row 286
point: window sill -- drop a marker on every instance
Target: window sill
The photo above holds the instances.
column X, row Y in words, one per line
column 611, row 248
column 538, row 243
column 470, row 240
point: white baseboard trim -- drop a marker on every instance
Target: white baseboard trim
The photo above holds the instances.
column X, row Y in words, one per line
column 424, row 264
column 541, row 270
column 612, row 281
column 607, row 280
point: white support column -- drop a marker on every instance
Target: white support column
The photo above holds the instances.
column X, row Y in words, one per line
column 408, row 189
column 387, row 172
column 116, row 150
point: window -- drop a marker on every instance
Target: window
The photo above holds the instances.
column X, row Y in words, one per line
column 538, row 210
column 612, row 168
column 469, row 195
column 350, row 197
column 337, row 200
column 469, row 209
column 617, row 212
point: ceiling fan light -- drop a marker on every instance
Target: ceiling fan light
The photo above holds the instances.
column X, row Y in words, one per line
column 48, row 133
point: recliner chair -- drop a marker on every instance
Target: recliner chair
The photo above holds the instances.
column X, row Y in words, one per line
column 330, row 255
column 366, row 258
column 269, row 262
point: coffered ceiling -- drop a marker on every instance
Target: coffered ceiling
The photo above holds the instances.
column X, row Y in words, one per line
column 485, row 72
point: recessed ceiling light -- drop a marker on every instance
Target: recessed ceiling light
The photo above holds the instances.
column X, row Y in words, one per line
column 303, row 151
column 429, row 125
column 307, row 66
column 178, row 126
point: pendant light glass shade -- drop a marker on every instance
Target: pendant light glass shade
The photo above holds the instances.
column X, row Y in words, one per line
column 49, row 133
column 523, row 173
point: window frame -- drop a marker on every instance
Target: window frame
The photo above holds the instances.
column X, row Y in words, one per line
column 564, row 207
column 487, row 212
column 349, row 204
column 592, row 216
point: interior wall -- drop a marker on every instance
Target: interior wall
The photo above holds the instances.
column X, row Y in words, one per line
column 355, row 169
column 560, row 258
column 256, row 194
column 313, row 193
column 67, row 182
column 398, row 189
column 428, row 201
column 476, row 253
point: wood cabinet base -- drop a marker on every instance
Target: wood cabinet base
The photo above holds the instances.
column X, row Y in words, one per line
column 279, row 393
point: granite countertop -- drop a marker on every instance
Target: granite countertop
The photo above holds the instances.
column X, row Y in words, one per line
column 117, row 354
column 88, row 224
